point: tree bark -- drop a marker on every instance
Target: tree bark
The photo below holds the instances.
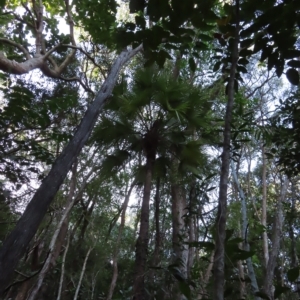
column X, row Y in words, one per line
column 141, row 252
column 264, row 209
column 116, row 252
column 206, row 276
column 62, row 274
column 219, row 263
column 294, row 256
column 276, row 237
column 242, row 280
column 57, row 239
column 179, row 234
column 251, row 273
column 82, row 273
column 157, row 247
column 15, row 245
column 191, row 220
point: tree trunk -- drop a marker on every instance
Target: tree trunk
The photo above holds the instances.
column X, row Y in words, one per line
column 142, row 241
column 206, row 277
column 191, row 220
column 116, row 252
column 219, row 263
column 294, row 256
column 25, row 286
column 15, row 245
column 250, row 268
column 62, row 274
column 179, row 235
column 276, row 237
column 157, row 248
column 242, row 280
column 58, row 238
column 264, row 209
column 82, row 273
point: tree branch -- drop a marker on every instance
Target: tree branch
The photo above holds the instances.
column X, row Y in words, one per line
column 20, row 47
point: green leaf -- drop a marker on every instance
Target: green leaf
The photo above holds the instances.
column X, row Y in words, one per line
column 205, row 37
column 294, row 63
column 243, row 255
column 207, row 245
column 288, row 54
column 292, row 76
column 236, row 240
column 136, row 5
column 245, row 52
column 241, row 69
column 279, row 290
column 185, row 289
column 266, row 52
column 192, row 64
column 293, row 274
column 243, row 61
column 140, row 22
column 217, row 66
column 246, row 43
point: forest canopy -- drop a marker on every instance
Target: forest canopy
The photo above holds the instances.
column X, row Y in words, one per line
column 149, row 149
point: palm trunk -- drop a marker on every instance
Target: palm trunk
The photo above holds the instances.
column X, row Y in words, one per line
column 142, row 241
column 14, row 247
column 116, row 252
column 157, row 248
column 276, row 237
column 157, row 227
column 219, row 263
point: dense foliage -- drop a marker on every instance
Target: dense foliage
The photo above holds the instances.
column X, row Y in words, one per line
column 149, row 149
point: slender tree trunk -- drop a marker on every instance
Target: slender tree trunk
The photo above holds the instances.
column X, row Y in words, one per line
column 64, row 227
column 179, row 235
column 242, row 280
column 157, row 248
column 57, row 238
column 192, row 221
column 62, row 274
column 86, row 221
column 82, row 273
column 206, row 276
column 15, row 245
column 157, row 226
column 276, row 237
column 250, row 268
column 294, row 256
column 142, row 241
column 25, row 286
column 219, row 263
column 116, row 252
column 264, row 209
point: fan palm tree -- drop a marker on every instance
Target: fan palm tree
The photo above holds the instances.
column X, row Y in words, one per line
column 154, row 116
